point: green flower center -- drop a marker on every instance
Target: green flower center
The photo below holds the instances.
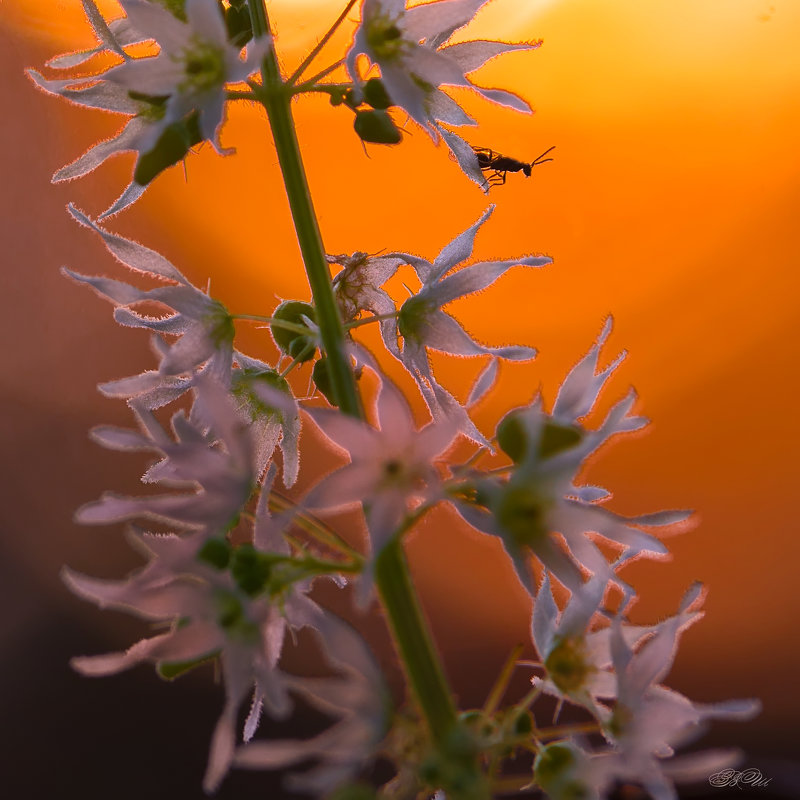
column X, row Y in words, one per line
column 619, row 722
column 397, row 474
column 385, row 37
column 413, row 317
column 566, row 665
column 203, row 67
column 522, row 513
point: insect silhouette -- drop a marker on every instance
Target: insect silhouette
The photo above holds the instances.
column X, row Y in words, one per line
column 496, row 166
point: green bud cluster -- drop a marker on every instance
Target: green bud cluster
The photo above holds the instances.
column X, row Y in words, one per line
column 453, row 767
column 373, row 123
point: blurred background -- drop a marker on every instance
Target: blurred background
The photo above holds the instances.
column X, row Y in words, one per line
column 671, row 204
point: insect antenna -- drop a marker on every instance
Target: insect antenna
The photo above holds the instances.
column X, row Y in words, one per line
column 541, row 159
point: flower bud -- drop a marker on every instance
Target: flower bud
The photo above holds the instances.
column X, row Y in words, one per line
column 554, row 770
column 376, row 127
column 239, row 24
column 512, row 437
column 376, row 95
column 322, row 380
column 299, row 346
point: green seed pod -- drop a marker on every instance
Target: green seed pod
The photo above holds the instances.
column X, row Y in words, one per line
column 322, row 380
column 376, row 127
column 239, row 25
column 297, row 345
column 376, row 95
column 522, row 724
column 554, row 770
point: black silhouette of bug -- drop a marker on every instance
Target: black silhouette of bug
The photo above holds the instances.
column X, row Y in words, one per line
column 496, row 166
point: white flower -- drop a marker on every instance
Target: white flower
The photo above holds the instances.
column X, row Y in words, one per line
column 112, row 36
column 563, row 770
column 206, row 332
column 269, row 408
column 577, row 660
column 410, row 47
column 175, row 99
column 389, row 467
column 218, row 467
column 210, row 616
column 540, row 498
column 649, row 720
column 357, row 699
column 136, row 135
column 357, row 286
column 193, row 65
column 204, row 327
column 423, row 324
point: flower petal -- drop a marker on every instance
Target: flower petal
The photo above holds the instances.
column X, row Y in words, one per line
column 132, row 254
column 460, row 249
column 474, row 54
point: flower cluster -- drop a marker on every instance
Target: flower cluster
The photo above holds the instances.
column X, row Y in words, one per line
column 232, row 563
column 175, row 99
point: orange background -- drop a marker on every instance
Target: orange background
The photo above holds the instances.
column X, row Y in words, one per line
column 671, row 203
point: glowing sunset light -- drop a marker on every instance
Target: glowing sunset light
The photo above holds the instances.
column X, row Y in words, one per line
column 671, row 204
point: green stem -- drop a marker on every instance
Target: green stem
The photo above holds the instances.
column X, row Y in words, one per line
column 391, row 570
column 277, row 101
column 410, row 632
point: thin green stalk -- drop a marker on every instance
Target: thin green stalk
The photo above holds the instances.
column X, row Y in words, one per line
column 357, row 323
column 391, row 571
column 294, row 327
column 408, row 625
column 313, row 85
column 292, row 364
column 276, row 99
column 321, row 43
